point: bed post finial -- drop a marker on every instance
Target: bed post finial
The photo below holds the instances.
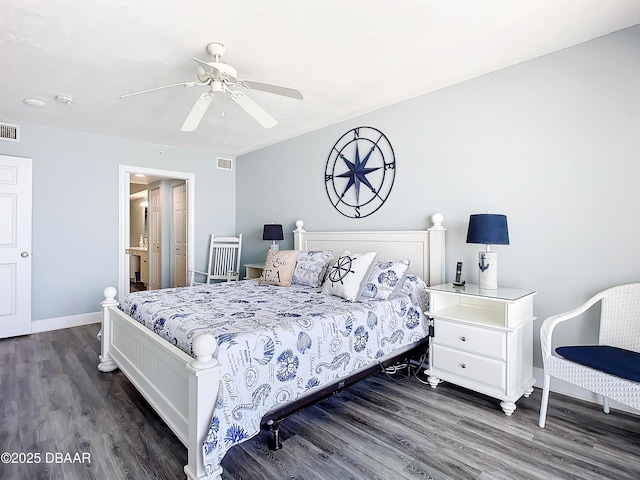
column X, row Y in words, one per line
column 299, row 225
column 204, row 346
column 436, row 221
column 109, row 294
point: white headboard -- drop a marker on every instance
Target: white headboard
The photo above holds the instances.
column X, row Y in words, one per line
column 424, row 248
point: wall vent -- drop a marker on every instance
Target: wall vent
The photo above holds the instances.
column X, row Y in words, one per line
column 9, row 133
column 225, row 163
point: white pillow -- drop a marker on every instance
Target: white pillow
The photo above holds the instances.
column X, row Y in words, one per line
column 347, row 274
column 385, row 279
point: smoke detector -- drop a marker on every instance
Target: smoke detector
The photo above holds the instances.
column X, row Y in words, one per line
column 64, row 99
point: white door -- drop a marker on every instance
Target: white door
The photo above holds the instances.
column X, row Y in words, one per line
column 15, row 246
column 180, row 235
column 155, row 241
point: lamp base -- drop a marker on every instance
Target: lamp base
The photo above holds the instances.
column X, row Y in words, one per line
column 274, row 246
column 487, row 270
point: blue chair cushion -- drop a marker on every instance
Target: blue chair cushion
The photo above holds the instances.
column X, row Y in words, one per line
column 613, row 360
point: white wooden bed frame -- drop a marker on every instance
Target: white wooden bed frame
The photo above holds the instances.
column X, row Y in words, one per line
column 183, row 390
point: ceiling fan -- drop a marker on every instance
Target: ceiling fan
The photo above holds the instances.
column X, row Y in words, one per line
column 223, row 78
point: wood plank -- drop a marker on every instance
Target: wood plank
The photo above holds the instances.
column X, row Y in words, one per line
column 53, row 399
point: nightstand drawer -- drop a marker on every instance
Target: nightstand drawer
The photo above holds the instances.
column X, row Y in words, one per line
column 473, row 367
column 482, row 341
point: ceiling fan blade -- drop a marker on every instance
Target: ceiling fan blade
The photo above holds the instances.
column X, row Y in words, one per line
column 183, row 84
column 253, row 109
column 197, row 112
column 266, row 87
column 208, row 68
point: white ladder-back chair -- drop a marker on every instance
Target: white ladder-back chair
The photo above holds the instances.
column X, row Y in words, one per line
column 611, row 368
column 224, row 260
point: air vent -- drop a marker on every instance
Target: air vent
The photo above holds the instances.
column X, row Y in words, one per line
column 225, row 163
column 9, row 133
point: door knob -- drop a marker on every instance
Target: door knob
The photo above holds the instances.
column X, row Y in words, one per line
column 24, row 254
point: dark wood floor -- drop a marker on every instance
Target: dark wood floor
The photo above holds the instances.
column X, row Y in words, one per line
column 54, row 401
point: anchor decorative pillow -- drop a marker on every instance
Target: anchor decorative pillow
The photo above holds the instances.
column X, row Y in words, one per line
column 347, row 274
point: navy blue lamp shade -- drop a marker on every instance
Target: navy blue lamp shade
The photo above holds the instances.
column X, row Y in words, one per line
column 273, row 232
column 488, row 228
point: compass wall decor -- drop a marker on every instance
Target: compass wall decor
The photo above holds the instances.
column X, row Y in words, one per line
column 360, row 171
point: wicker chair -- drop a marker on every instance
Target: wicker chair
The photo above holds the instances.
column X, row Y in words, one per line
column 611, row 368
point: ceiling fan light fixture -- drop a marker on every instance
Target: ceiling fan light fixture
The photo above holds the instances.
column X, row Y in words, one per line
column 217, row 86
column 220, row 76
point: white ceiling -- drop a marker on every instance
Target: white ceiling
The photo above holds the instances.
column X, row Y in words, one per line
column 347, row 57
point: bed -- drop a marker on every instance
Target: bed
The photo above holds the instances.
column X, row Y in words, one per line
column 189, row 390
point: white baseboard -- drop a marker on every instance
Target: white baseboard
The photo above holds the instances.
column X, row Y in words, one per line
column 565, row 388
column 49, row 324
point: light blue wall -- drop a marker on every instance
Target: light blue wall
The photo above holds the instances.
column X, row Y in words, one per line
column 553, row 143
column 75, row 210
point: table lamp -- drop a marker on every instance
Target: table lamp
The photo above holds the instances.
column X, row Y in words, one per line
column 490, row 229
column 273, row 232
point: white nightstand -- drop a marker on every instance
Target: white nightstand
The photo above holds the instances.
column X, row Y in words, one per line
column 253, row 270
column 483, row 340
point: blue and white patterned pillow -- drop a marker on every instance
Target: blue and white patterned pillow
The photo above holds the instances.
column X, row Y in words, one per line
column 311, row 267
column 347, row 274
column 385, row 279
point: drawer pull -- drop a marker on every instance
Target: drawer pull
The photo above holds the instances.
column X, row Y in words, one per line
column 463, row 365
column 464, row 339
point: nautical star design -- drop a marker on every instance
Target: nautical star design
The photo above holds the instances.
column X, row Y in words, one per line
column 362, row 157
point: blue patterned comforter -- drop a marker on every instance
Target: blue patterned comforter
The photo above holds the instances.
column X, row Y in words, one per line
column 276, row 343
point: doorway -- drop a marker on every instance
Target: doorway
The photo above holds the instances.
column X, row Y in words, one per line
column 179, row 246
column 15, row 246
column 159, row 231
